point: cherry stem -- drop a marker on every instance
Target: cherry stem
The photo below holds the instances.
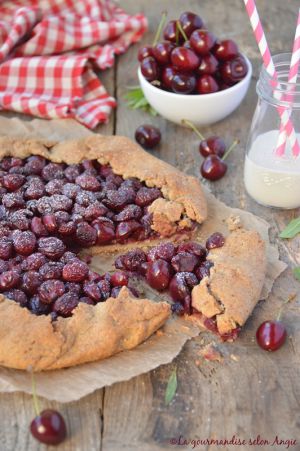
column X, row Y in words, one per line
column 159, row 28
column 233, row 145
column 35, row 398
column 179, row 27
column 289, row 299
column 193, row 127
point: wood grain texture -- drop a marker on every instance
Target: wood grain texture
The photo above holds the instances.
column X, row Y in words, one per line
column 252, row 392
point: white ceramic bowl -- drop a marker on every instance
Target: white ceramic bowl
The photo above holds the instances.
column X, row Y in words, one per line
column 201, row 109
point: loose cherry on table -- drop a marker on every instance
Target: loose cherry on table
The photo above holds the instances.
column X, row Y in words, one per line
column 214, row 150
column 213, row 167
column 271, row 335
column 48, row 426
column 148, row 136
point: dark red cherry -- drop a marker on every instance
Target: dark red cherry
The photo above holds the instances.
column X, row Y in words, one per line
column 119, row 279
column 183, row 84
column 214, row 145
column 50, row 290
column 225, row 50
column 169, row 32
column 202, row 41
column 75, row 271
column 184, row 262
column 209, row 65
column 162, row 52
column 166, row 251
column 158, row 274
column 9, row 279
column 6, row 248
column 203, row 270
column 181, row 284
column 213, row 168
column 37, row 227
column 234, row 70
column 167, row 75
column 13, row 181
column 144, row 52
column 126, row 228
column 184, row 59
column 207, row 84
column 150, row 69
column 49, row 427
column 193, row 248
column 148, row 136
column 24, row 242
column 215, row 240
column 271, row 335
column 50, row 223
column 105, row 230
column 190, row 22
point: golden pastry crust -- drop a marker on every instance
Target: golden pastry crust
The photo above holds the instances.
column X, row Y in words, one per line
column 233, row 288
column 92, row 333
column 184, row 200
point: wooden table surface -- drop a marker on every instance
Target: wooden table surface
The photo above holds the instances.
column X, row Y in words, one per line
column 257, row 393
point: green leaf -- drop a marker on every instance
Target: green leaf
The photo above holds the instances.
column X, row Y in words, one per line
column 292, row 229
column 297, row 273
column 140, row 103
column 152, row 111
column 136, row 100
column 171, row 387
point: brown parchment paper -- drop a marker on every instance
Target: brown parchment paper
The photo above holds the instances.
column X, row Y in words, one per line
column 74, row 383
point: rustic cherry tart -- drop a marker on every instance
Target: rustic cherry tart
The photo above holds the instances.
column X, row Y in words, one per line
column 105, row 194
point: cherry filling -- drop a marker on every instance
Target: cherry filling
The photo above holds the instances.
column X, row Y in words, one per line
column 83, row 204
column 48, row 209
column 176, row 270
column 54, row 281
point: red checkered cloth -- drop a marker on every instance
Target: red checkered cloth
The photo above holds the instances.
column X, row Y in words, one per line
column 49, row 50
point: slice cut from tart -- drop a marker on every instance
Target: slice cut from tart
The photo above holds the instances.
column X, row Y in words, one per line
column 99, row 192
column 217, row 285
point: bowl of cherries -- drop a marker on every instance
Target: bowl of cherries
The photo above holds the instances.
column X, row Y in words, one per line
column 192, row 74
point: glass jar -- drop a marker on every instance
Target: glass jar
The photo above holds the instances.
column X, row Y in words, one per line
column 272, row 180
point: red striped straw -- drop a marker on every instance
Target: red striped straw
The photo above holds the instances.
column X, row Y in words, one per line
column 293, row 73
column 270, row 68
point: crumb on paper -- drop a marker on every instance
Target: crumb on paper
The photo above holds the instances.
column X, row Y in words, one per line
column 233, row 223
column 234, row 357
column 211, row 352
column 160, row 333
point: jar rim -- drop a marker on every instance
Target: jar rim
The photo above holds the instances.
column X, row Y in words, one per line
column 277, row 90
